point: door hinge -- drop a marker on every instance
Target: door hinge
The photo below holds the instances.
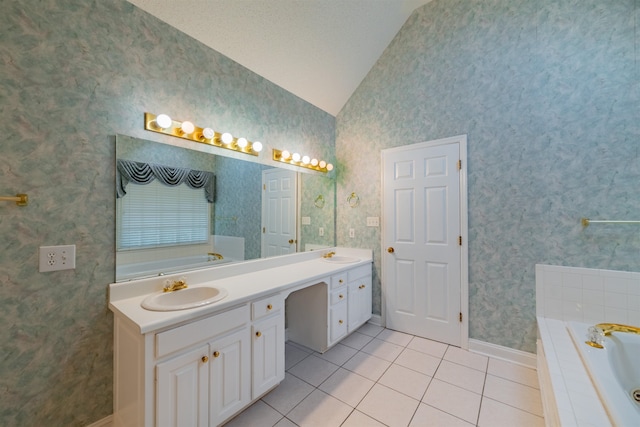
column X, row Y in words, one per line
column 459, row 165
column 264, row 186
column 460, row 317
column 264, row 230
column 459, row 240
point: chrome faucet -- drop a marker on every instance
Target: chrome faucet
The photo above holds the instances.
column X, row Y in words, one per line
column 328, row 254
column 176, row 285
column 214, row 255
column 598, row 332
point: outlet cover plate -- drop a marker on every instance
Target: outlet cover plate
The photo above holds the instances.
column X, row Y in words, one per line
column 54, row 258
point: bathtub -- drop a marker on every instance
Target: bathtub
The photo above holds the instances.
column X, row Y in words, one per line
column 614, row 370
column 174, row 265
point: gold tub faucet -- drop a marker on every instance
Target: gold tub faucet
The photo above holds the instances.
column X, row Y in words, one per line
column 601, row 330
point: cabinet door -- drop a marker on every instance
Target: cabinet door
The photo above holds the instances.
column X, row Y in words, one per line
column 360, row 296
column 182, row 390
column 268, row 354
column 230, row 375
column 338, row 321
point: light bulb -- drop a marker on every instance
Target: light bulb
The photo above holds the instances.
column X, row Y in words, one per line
column 227, row 138
column 163, row 121
column 306, row 160
column 187, row 128
column 285, row 155
column 295, row 157
column 329, row 167
column 257, row 146
column 322, row 164
column 314, row 162
column 242, row 142
column 208, row 133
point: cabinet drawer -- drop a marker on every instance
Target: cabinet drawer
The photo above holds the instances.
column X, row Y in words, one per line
column 185, row 336
column 338, row 280
column 266, row 306
column 359, row 272
column 338, row 319
column 339, row 295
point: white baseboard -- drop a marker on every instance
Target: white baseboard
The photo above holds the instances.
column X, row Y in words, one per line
column 376, row 319
column 105, row 422
column 505, row 353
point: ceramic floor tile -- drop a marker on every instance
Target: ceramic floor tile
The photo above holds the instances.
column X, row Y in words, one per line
column 347, row 386
column 288, row 394
column 420, row 362
column 370, row 329
column 406, row 381
column 461, row 376
column 367, row 365
column 285, row 423
column 395, row 337
column 356, row 340
column 320, row 410
column 338, row 354
column 428, row 416
column 494, row 413
column 466, row 358
column 423, row 345
column 382, row 349
column 293, row 354
column 514, row 394
column 259, row 415
column 388, row 406
column 358, row 419
column 313, row 370
column 453, row 400
column 513, row 372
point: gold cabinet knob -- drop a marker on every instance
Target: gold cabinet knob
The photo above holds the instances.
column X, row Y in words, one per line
column 340, row 321
column 340, row 296
column 269, row 307
column 205, row 359
column 258, row 334
column 340, row 281
column 390, row 250
column 216, row 354
column 361, row 287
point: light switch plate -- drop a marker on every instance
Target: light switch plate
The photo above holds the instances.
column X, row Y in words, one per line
column 373, row 221
column 54, row 258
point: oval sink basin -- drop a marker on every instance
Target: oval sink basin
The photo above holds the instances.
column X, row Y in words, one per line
column 183, row 299
column 338, row 259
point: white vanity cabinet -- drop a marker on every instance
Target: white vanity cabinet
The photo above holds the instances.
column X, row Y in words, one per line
column 360, row 297
column 268, row 344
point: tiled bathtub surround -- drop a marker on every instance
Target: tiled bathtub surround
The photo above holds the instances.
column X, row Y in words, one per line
column 587, row 295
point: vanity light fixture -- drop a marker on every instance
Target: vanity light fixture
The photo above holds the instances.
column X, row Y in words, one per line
column 163, row 124
column 296, row 159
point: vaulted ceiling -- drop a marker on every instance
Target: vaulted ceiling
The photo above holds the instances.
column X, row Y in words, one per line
column 319, row 50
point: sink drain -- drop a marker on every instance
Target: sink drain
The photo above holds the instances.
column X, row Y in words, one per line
column 636, row 394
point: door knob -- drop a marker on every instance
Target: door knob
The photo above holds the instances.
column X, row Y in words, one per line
column 291, row 241
column 390, row 250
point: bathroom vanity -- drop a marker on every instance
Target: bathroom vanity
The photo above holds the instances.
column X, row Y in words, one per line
column 203, row 365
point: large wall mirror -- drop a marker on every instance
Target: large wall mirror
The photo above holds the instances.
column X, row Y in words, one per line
column 179, row 208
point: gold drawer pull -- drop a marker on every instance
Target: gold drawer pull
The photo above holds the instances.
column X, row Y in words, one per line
column 258, row 334
column 340, row 321
column 205, row 359
column 340, row 281
column 361, row 287
column 269, row 307
column 340, row 296
column 216, row 354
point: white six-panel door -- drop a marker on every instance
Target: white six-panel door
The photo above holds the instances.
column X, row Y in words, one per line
column 279, row 212
column 422, row 259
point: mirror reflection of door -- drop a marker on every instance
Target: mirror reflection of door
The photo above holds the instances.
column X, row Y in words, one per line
column 279, row 212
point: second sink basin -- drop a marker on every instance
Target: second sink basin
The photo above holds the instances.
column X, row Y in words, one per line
column 183, row 299
column 340, row 259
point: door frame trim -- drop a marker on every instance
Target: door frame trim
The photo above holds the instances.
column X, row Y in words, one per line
column 464, row 228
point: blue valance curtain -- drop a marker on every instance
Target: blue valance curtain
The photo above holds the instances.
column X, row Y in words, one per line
column 143, row 173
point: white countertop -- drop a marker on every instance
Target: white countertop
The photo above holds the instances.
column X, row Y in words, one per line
column 243, row 282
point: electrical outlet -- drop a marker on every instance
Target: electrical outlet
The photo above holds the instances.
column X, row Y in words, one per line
column 352, row 233
column 54, row 258
column 373, row 221
column 321, row 231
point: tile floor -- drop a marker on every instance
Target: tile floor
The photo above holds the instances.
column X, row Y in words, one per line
column 379, row 377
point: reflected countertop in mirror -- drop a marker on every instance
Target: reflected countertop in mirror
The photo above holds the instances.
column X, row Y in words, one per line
column 238, row 220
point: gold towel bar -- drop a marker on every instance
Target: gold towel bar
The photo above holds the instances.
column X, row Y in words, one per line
column 20, row 199
column 585, row 222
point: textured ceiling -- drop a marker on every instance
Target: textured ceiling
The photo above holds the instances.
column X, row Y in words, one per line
column 320, row 50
